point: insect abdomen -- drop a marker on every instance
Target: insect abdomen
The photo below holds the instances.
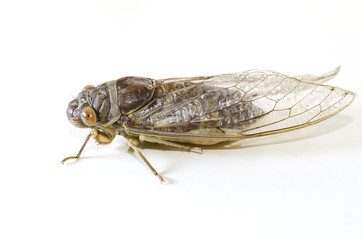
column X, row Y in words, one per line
column 198, row 107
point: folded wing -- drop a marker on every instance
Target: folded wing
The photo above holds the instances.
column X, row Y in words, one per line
column 247, row 104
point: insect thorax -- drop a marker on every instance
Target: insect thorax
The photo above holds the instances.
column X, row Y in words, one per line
column 117, row 98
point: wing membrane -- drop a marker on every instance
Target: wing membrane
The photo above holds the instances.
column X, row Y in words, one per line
column 247, row 104
column 319, row 79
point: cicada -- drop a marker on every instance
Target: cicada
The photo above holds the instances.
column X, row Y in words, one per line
column 204, row 110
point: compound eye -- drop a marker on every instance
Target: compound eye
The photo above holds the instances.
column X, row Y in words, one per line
column 88, row 87
column 88, row 116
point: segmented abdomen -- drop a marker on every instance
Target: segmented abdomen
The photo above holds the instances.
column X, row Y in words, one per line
column 196, row 106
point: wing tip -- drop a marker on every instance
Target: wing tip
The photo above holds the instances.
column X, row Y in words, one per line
column 331, row 74
column 337, row 69
column 353, row 94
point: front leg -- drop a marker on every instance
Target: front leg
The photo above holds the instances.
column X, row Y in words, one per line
column 101, row 139
column 80, row 151
column 134, row 143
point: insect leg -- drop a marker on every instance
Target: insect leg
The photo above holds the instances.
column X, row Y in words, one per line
column 171, row 144
column 133, row 143
column 80, row 151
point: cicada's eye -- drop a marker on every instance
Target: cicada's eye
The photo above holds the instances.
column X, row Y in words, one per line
column 88, row 87
column 88, row 116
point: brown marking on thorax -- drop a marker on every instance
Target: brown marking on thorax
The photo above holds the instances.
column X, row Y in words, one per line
column 133, row 93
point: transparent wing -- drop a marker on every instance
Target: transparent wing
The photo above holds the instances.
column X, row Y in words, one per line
column 306, row 77
column 319, row 79
column 247, row 104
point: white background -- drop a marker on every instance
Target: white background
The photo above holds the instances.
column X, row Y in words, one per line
column 306, row 185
